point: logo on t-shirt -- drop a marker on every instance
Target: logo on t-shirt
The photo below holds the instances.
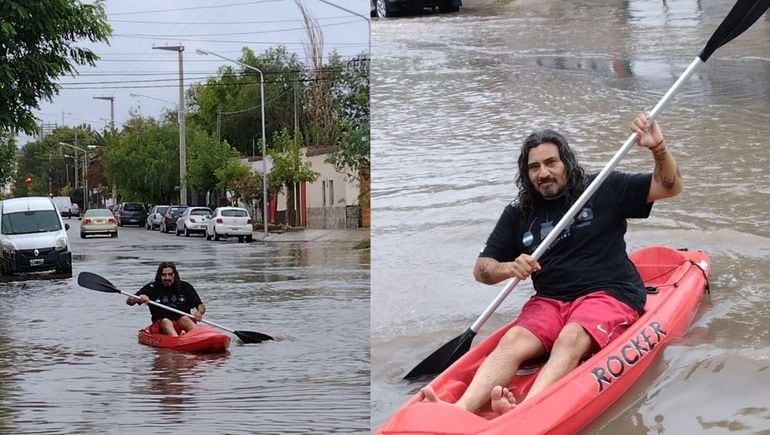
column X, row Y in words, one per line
column 583, row 219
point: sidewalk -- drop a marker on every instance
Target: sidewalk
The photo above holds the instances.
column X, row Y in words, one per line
column 315, row 235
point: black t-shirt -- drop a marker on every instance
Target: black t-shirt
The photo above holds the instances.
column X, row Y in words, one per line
column 590, row 254
column 184, row 299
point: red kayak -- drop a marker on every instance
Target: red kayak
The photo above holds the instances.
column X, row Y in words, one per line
column 676, row 280
column 202, row 339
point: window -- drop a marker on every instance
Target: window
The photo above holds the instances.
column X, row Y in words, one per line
column 36, row 221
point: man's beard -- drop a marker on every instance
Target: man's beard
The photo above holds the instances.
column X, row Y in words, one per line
column 552, row 191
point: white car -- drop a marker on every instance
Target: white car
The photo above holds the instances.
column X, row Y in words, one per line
column 193, row 220
column 155, row 216
column 230, row 222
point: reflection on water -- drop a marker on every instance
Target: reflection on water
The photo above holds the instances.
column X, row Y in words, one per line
column 454, row 96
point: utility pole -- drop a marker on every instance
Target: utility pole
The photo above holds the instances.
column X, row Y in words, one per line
column 219, row 124
column 181, row 112
column 112, row 130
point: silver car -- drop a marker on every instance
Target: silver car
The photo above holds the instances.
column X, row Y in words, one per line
column 155, row 216
column 193, row 220
column 230, row 222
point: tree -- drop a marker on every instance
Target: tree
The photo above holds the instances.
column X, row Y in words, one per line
column 204, row 156
column 351, row 108
column 7, row 158
column 145, row 161
column 290, row 169
column 37, row 46
column 235, row 94
column 51, row 165
column 352, row 159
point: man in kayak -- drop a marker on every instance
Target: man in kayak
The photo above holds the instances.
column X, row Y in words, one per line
column 587, row 289
column 168, row 289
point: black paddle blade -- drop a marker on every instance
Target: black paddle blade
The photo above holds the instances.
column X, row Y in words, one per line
column 95, row 282
column 249, row 337
column 740, row 18
column 439, row 360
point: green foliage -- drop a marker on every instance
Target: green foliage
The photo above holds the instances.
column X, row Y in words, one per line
column 289, row 166
column 235, row 92
column 145, row 161
column 49, row 164
column 38, row 45
column 352, row 156
column 7, row 157
column 204, row 156
column 338, row 95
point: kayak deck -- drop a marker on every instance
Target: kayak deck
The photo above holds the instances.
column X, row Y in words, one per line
column 202, row 339
column 678, row 278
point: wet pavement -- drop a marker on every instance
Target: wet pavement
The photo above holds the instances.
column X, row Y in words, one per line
column 70, row 361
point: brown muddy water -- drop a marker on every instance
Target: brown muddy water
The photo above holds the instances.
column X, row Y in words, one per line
column 70, row 361
column 453, row 97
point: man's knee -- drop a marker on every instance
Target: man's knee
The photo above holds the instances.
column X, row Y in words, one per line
column 573, row 336
column 520, row 341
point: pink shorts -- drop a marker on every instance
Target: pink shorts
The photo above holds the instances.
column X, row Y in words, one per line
column 599, row 313
column 155, row 327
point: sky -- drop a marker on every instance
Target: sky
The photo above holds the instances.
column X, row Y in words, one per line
column 129, row 64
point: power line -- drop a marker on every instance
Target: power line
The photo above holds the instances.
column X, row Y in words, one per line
column 171, row 35
column 221, row 23
column 192, row 8
column 175, row 40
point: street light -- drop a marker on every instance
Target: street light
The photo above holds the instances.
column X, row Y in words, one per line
column 85, row 171
column 112, row 109
column 181, row 114
column 264, row 143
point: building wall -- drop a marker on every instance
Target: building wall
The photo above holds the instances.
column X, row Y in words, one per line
column 328, row 199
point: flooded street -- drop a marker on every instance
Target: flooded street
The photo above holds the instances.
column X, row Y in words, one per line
column 454, row 96
column 71, row 362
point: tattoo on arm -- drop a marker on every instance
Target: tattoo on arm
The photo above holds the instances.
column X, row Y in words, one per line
column 669, row 182
column 484, row 273
column 485, row 269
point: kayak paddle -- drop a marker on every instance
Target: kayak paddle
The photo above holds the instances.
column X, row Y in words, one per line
column 95, row 282
column 743, row 14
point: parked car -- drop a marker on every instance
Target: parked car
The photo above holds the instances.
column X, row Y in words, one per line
column 168, row 223
column 33, row 237
column 193, row 220
column 155, row 216
column 98, row 221
column 131, row 213
column 75, row 210
column 389, row 8
column 230, row 222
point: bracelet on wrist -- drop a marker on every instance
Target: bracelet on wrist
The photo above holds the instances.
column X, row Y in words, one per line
column 657, row 145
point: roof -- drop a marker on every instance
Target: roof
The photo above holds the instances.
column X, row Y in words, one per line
column 15, row 205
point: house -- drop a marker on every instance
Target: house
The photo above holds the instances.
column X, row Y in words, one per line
column 331, row 201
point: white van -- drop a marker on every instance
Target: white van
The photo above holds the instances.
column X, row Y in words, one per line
column 64, row 204
column 33, row 237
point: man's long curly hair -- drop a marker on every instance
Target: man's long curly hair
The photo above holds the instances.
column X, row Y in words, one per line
column 177, row 281
column 576, row 176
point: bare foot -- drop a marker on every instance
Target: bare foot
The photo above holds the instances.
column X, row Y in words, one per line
column 429, row 395
column 501, row 400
